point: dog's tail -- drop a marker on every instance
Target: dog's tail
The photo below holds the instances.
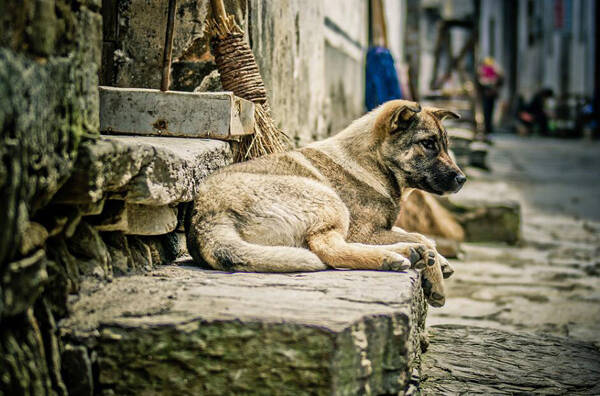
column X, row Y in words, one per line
column 215, row 241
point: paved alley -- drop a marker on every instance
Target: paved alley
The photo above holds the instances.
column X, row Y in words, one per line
column 547, row 286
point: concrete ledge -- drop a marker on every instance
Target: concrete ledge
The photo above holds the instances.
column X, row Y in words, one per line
column 143, row 170
column 218, row 115
column 486, row 220
column 182, row 330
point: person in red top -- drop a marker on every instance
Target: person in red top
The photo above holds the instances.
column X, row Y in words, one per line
column 490, row 79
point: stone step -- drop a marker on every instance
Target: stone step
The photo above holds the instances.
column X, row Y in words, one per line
column 487, row 220
column 183, row 330
column 477, row 360
column 150, row 112
column 142, row 170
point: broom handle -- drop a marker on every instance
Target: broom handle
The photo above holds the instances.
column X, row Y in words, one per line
column 218, row 9
column 168, row 50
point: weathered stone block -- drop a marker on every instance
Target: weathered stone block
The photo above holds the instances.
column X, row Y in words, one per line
column 135, row 111
column 143, row 170
column 34, row 237
column 89, row 248
column 477, row 360
column 188, row 331
column 161, row 248
column 141, row 255
column 49, row 52
column 77, row 369
column 120, row 254
column 460, row 143
column 22, row 282
column 178, row 244
column 134, row 219
column 488, row 221
column 22, row 357
column 112, row 218
column 478, row 155
column 150, row 220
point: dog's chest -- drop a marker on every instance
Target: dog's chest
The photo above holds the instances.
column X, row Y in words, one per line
column 369, row 205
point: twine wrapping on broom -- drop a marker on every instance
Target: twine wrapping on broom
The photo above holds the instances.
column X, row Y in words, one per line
column 239, row 74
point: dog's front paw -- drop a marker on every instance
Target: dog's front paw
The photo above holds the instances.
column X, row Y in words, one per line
column 395, row 262
column 419, row 255
column 433, row 295
column 422, row 256
column 447, row 269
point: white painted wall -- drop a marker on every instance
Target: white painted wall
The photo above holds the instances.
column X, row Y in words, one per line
column 395, row 15
column 346, row 36
column 287, row 40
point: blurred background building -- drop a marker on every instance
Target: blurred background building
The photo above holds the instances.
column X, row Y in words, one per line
column 312, row 54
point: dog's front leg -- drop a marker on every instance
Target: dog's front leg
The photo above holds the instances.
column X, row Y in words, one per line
column 433, row 284
column 331, row 247
column 397, row 234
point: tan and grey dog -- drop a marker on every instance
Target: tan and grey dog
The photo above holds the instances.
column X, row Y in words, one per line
column 331, row 204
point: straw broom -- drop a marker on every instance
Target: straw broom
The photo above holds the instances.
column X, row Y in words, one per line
column 239, row 74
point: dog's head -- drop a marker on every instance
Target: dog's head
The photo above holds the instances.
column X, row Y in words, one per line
column 414, row 147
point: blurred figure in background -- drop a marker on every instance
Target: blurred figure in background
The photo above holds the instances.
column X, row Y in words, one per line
column 490, row 79
column 533, row 116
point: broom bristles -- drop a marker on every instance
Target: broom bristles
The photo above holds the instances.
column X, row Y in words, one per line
column 239, row 74
column 267, row 138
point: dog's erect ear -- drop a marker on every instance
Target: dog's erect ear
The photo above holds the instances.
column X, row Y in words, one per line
column 440, row 114
column 404, row 116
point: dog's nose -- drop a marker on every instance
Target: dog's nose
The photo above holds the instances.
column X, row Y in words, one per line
column 460, row 179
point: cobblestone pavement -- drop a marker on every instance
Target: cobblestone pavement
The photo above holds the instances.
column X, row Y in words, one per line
column 550, row 284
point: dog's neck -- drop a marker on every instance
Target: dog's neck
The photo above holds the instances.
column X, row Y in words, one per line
column 354, row 148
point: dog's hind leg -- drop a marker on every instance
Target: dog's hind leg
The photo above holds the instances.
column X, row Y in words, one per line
column 217, row 242
column 331, row 247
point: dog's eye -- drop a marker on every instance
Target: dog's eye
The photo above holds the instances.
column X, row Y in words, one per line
column 428, row 144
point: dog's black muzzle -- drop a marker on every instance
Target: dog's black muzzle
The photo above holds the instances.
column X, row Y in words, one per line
column 449, row 183
column 459, row 181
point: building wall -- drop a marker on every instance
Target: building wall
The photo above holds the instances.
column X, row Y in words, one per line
column 286, row 36
column 582, row 52
column 432, row 13
column 311, row 56
column 548, row 55
column 395, row 13
column 427, row 38
column 491, row 31
column 346, row 31
column 49, row 57
column 560, row 57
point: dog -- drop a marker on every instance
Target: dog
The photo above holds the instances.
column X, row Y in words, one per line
column 331, row 204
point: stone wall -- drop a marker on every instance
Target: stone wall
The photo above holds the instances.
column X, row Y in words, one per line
column 75, row 205
column 49, row 52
